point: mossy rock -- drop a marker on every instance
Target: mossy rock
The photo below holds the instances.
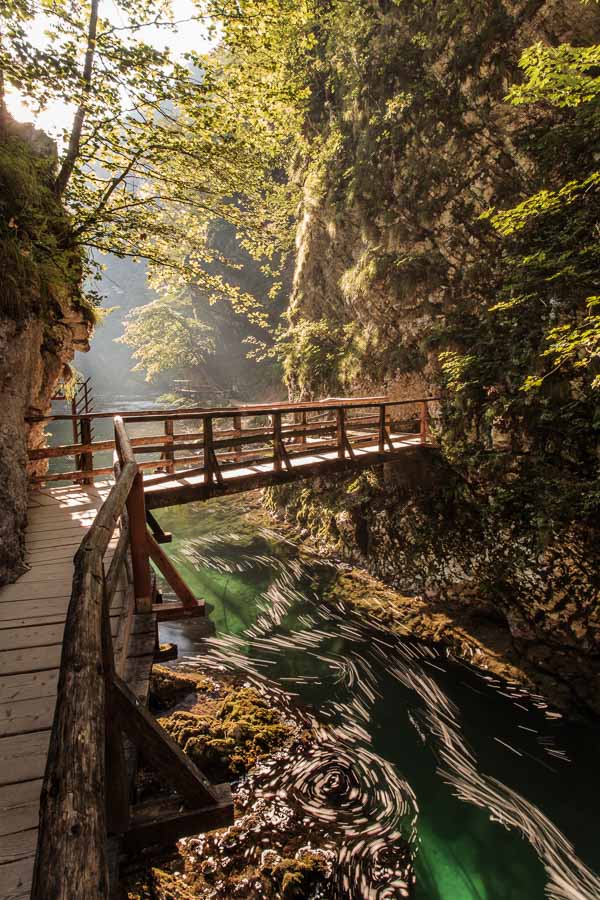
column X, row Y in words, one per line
column 168, row 687
column 229, row 742
column 296, row 878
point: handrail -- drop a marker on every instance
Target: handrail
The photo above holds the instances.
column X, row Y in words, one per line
column 219, row 445
column 225, row 412
column 71, row 846
column 85, row 793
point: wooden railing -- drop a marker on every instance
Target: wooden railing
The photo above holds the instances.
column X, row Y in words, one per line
column 212, row 441
column 87, row 784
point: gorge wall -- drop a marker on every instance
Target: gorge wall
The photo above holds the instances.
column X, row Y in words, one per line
column 397, row 275
column 43, row 318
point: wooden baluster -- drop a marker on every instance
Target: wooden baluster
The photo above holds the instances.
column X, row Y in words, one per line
column 277, row 442
column 424, row 431
column 303, row 439
column 208, row 441
column 87, row 458
column 341, row 433
column 169, row 455
column 237, row 427
column 140, row 560
column 382, row 428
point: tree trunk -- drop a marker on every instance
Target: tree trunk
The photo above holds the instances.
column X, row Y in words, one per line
column 66, row 170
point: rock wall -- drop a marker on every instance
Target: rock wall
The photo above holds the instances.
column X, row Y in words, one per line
column 412, row 142
column 43, row 321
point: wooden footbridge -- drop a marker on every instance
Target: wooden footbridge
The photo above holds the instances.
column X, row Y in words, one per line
column 78, row 631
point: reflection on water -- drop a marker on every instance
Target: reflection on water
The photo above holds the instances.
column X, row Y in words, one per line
column 495, row 795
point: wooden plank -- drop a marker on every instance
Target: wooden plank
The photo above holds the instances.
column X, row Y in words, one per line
column 28, row 685
column 55, row 588
column 17, row 846
column 19, row 806
column 25, row 716
column 19, row 612
column 16, row 879
column 32, row 636
column 65, row 526
column 31, row 659
column 23, row 756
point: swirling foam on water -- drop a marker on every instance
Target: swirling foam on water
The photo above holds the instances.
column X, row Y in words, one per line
column 368, row 808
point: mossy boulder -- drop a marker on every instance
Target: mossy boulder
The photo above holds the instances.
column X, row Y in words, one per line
column 168, row 687
column 228, row 739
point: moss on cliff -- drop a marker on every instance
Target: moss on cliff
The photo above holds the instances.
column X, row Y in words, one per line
column 38, row 261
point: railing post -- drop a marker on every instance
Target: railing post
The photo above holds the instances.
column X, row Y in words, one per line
column 117, row 779
column 237, row 428
column 424, row 431
column 340, row 432
column 277, row 442
column 87, row 458
column 208, row 441
column 382, row 428
column 140, row 560
column 169, row 454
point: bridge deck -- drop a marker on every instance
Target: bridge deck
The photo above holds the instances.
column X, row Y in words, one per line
column 32, row 617
column 160, row 490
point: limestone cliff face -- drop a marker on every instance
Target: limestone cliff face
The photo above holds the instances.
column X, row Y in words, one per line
column 414, row 142
column 43, row 320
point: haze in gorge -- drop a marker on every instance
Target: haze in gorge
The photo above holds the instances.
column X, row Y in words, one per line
column 299, row 449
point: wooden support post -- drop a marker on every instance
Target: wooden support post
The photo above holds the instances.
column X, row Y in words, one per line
column 341, row 433
column 117, row 777
column 136, row 511
column 277, row 442
column 382, row 429
column 159, row 749
column 169, row 455
column 424, row 422
column 162, row 537
column 87, row 459
column 208, row 441
column 164, row 564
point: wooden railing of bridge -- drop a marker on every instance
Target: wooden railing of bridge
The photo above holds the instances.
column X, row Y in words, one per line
column 235, row 448
column 86, row 793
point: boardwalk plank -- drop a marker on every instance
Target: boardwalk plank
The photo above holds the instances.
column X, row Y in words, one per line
column 14, row 847
column 32, row 659
column 28, row 685
column 19, row 806
column 23, row 756
column 40, row 635
column 16, row 879
column 26, row 716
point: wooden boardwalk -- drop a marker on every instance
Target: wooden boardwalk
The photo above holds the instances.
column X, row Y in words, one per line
column 32, row 619
column 163, row 490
